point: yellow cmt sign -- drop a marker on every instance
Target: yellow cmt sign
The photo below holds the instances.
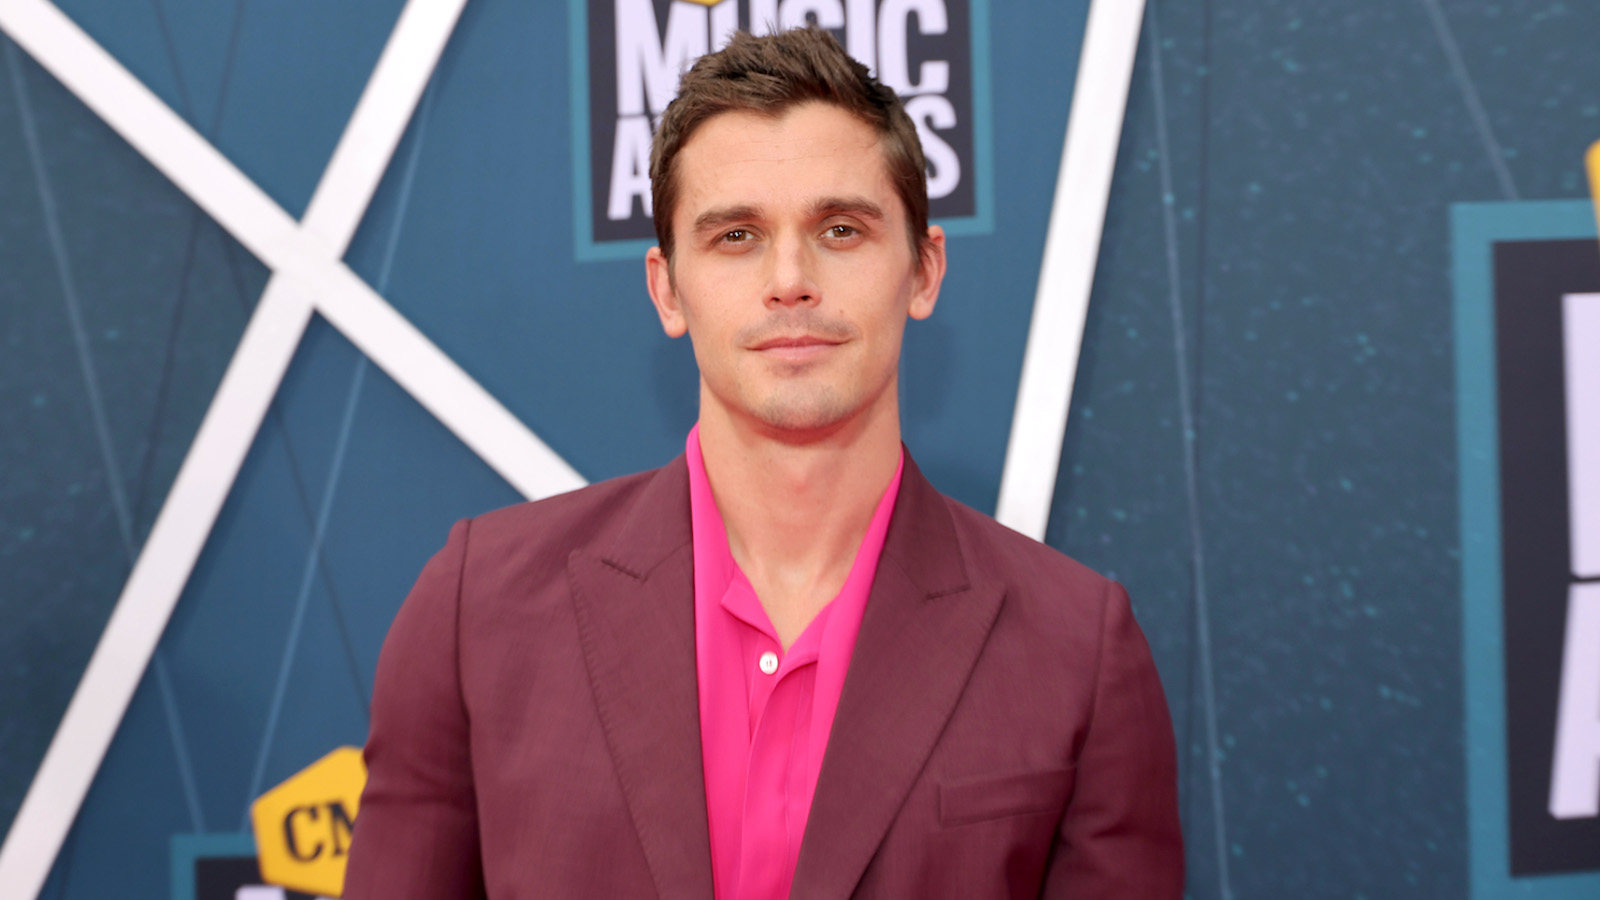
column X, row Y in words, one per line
column 303, row 826
column 1594, row 178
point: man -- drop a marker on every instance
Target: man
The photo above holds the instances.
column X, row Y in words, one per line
column 784, row 665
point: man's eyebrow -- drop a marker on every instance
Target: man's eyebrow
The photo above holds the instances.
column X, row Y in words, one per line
column 721, row 217
column 855, row 206
column 713, row 219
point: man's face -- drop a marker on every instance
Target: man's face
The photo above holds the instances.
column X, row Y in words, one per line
column 792, row 272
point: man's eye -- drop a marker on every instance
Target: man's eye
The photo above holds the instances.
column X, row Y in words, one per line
column 841, row 231
column 736, row 236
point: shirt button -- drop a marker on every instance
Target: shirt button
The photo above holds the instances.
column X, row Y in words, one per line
column 769, row 662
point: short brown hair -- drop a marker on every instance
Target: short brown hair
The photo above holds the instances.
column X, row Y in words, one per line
column 771, row 75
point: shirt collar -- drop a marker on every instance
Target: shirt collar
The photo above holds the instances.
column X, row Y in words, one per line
column 714, row 567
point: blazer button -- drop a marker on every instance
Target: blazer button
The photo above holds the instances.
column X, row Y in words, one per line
column 769, row 662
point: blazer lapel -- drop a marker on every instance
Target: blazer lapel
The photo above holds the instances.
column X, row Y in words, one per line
column 634, row 599
column 923, row 630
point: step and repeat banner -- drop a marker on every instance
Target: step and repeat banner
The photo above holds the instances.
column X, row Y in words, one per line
column 1335, row 423
column 1528, row 346
column 625, row 72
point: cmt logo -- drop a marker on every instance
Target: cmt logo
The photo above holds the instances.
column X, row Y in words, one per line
column 1575, row 774
column 638, row 49
column 303, row 826
column 308, row 831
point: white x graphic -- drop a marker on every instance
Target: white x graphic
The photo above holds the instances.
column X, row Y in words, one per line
column 309, row 275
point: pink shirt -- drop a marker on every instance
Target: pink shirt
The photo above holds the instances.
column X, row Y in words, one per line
column 763, row 733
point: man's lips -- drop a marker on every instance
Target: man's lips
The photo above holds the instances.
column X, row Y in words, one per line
column 795, row 350
column 794, row 343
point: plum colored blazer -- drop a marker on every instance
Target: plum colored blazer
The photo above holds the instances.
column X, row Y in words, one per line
column 535, row 734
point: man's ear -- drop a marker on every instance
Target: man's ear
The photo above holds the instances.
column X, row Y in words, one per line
column 658, row 279
column 930, row 274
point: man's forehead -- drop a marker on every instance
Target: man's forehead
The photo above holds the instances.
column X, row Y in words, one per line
column 809, row 153
column 810, row 117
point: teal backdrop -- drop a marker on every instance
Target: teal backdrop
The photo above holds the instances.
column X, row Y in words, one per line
column 1276, row 271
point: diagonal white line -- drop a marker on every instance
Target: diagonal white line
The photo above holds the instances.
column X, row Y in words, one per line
column 369, row 140
column 330, row 489
column 91, row 381
column 151, row 591
column 308, row 275
column 440, row 385
column 308, row 575
column 258, row 223
column 1072, row 243
column 158, row 133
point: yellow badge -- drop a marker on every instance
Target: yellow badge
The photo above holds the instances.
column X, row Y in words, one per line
column 303, row 826
column 1594, row 178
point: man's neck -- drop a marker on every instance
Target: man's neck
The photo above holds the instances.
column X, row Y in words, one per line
column 796, row 511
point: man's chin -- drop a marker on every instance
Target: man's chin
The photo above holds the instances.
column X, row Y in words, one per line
column 804, row 418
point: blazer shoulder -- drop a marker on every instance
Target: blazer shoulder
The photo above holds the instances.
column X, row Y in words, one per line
column 995, row 552
column 574, row 515
column 541, row 534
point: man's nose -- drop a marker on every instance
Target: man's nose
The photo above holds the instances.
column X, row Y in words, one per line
column 790, row 280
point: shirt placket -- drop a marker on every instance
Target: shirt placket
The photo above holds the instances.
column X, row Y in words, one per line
column 779, row 703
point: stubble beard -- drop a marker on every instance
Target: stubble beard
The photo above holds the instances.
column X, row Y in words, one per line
column 798, row 408
column 798, row 404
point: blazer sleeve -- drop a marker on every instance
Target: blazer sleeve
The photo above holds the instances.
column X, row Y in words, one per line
column 416, row 830
column 1120, row 835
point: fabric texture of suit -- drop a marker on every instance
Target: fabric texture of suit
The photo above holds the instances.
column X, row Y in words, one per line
column 535, row 733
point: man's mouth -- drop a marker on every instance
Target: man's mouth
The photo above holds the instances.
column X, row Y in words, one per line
column 804, row 340
column 795, row 348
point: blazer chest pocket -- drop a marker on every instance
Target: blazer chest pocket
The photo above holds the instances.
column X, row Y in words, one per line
column 995, row 797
